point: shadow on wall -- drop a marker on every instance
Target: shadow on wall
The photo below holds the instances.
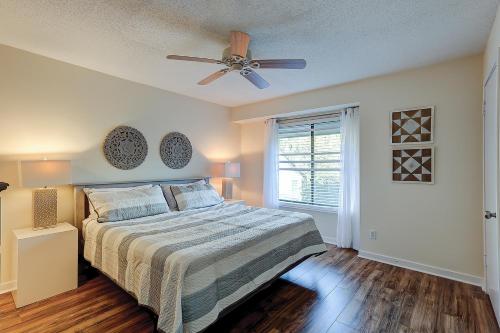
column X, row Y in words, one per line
column 9, row 173
column 252, row 174
column 91, row 166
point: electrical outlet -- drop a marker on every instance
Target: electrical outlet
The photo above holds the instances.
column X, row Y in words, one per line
column 372, row 235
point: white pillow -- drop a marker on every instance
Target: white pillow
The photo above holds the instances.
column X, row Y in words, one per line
column 87, row 191
column 167, row 192
column 125, row 205
column 195, row 196
column 115, row 189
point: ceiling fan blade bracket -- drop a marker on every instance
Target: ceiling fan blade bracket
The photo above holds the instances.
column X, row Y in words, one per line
column 245, row 71
column 254, row 64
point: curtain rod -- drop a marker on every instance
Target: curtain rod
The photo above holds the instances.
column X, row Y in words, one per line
column 319, row 115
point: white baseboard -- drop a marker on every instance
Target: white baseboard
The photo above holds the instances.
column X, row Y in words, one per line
column 442, row 272
column 8, row 286
column 330, row 240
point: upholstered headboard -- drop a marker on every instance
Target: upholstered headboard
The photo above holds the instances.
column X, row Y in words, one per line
column 81, row 207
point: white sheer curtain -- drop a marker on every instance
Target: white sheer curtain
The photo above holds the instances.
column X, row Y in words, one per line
column 348, row 214
column 271, row 165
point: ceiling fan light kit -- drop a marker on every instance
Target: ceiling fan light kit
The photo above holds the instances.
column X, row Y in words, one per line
column 238, row 57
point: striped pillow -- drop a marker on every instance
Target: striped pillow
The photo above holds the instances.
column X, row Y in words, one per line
column 167, row 192
column 124, row 205
column 195, row 196
column 88, row 190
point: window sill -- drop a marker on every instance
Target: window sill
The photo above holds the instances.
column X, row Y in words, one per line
column 313, row 208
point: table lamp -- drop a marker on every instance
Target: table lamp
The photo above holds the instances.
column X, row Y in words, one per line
column 227, row 171
column 40, row 174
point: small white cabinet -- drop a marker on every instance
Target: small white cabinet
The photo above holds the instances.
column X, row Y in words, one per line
column 45, row 262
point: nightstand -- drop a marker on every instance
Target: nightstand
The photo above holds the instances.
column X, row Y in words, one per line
column 45, row 262
column 235, row 201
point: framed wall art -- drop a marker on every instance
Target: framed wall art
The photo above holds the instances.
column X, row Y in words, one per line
column 413, row 165
column 412, row 126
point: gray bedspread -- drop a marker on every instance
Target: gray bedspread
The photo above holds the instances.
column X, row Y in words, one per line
column 189, row 266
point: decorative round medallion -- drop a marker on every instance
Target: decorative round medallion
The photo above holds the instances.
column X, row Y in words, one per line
column 175, row 150
column 125, row 148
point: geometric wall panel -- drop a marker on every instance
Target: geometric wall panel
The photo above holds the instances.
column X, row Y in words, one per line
column 412, row 126
column 413, row 165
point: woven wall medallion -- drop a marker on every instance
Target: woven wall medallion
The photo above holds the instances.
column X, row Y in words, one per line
column 412, row 126
column 176, row 150
column 125, row 148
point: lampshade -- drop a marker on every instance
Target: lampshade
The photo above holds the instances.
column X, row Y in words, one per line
column 232, row 170
column 45, row 173
column 226, row 170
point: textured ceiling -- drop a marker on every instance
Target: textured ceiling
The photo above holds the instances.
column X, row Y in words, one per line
column 342, row 40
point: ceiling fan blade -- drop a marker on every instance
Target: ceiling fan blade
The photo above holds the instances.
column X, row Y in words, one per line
column 196, row 59
column 256, row 79
column 281, row 63
column 214, row 76
column 239, row 43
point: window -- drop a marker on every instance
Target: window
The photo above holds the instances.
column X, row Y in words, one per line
column 309, row 161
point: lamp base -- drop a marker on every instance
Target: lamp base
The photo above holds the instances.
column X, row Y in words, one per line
column 44, row 208
column 227, row 188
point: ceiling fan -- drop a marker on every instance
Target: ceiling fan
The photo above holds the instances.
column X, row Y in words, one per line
column 237, row 57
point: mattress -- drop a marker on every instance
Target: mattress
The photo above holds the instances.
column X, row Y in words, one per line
column 189, row 266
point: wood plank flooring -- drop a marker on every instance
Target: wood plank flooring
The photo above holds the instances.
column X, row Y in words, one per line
column 336, row 292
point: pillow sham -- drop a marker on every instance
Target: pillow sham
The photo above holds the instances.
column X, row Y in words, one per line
column 195, row 195
column 89, row 190
column 167, row 192
column 124, row 205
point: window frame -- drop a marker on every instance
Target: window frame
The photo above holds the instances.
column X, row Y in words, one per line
column 288, row 204
column 305, row 206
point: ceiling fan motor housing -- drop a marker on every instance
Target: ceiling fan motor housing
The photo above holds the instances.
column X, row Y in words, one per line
column 237, row 63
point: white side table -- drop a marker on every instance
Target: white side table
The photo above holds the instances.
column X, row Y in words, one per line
column 45, row 262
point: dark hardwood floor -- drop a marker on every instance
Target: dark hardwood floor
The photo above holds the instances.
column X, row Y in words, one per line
column 336, row 292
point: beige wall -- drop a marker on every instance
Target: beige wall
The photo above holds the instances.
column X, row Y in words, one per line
column 59, row 110
column 438, row 225
column 50, row 108
column 252, row 149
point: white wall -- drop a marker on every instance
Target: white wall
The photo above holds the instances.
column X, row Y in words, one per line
column 438, row 225
column 50, row 108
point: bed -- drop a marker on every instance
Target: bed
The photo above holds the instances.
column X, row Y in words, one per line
column 190, row 267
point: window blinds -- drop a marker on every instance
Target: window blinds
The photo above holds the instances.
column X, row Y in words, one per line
column 309, row 161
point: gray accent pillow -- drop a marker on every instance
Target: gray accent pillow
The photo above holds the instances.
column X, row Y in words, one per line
column 167, row 192
column 88, row 190
column 195, row 196
column 124, row 205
